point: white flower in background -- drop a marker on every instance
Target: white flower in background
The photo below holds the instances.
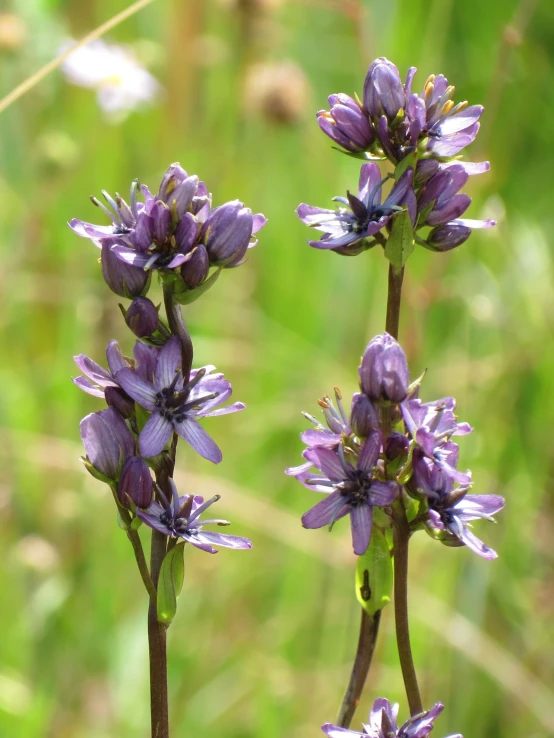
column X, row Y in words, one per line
column 121, row 83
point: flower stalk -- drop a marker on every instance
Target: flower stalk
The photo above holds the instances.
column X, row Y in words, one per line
column 369, row 630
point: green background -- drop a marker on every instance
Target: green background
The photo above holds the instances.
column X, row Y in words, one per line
column 262, row 641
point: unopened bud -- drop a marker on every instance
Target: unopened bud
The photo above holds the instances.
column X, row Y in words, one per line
column 142, row 317
column 384, row 372
column 135, row 483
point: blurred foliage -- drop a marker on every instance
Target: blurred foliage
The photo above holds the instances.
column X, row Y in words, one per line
column 262, row 642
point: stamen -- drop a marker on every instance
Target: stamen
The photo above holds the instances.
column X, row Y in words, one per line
column 115, row 220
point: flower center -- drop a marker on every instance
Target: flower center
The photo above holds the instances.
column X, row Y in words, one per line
column 356, row 487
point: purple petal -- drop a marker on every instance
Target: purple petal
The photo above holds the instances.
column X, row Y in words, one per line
column 115, row 358
column 93, row 371
column 220, row 539
column 258, row 222
column 235, row 407
column 201, row 442
column 468, row 223
column 294, row 471
column 169, row 361
column 398, row 193
column 89, row 230
column 425, row 440
column 361, row 520
column 312, row 437
column 88, row 387
column 332, row 508
column 311, row 216
column 130, row 256
column 477, row 546
column 139, row 389
column 155, row 434
column 370, row 178
column 473, row 507
column 370, row 451
column 382, row 493
column 328, row 461
column 461, row 121
column 453, row 208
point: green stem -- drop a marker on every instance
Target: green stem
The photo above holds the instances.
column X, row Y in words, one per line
column 401, row 537
column 369, row 629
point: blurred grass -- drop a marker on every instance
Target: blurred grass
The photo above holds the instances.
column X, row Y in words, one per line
column 262, row 642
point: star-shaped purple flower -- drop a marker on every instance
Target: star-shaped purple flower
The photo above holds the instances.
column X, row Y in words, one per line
column 176, row 406
column 383, row 723
column 179, row 518
column 351, row 489
column 452, row 509
column 431, row 425
column 363, row 216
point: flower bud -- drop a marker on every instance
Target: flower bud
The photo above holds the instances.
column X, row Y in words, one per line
column 142, row 317
column 383, row 90
column 195, row 270
column 227, row 233
column 135, row 483
column 123, row 279
column 107, row 441
column 396, row 446
column 384, row 372
column 447, row 237
column 363, row 415
column 120, row 400
column 346, row 123
column 174, row 175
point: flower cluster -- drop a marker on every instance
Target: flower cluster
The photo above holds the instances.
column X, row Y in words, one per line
column 177, row 230
column 422, row 135
column 155, row 397
column 383, row 723
column 363, row 461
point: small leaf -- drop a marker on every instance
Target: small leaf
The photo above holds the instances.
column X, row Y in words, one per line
column 374, row 574
column 400, row 243
column 188, row 296
column 407, row 161
column 170, row 583
column 120, row 522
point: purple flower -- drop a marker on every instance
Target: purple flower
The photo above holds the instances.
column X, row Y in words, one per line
column 142, row 317
column 451, row 509
column 383, row 723
column 157, row 233
column 108, row 442
column 228, row 231
column 363, row 216
column 176, row 406
column 351, row 489
column 97, row 380
column 384, row 375
column 123, row 279
column 135, row 483
column 449, row 127
column 431, row 425
column 178, row 518
column 346, row 123
column 440, row 205
column 383, row 90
